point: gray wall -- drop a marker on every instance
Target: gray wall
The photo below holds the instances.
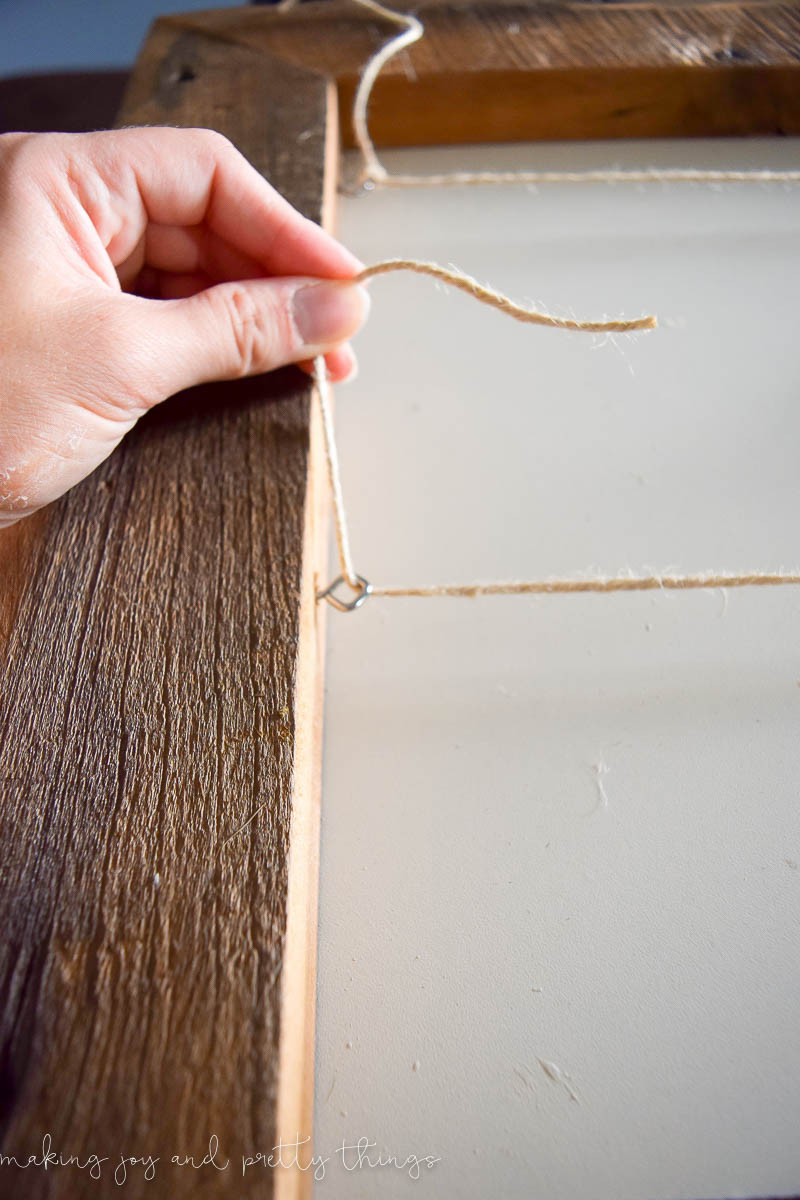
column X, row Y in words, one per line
column 44, row 35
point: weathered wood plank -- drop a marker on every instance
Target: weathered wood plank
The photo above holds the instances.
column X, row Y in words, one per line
column 496, row 70
column 160, row 686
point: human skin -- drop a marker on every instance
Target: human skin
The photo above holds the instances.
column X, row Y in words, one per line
column 135, row 263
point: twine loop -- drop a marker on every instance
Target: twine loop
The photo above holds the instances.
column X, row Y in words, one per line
column 362, row 589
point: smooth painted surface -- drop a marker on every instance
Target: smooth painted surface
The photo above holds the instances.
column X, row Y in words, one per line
column 560, row 901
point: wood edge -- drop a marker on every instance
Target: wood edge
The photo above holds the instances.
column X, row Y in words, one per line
column 161, row 28
column 295, row 1102
column 218, row 20
column 20, row 546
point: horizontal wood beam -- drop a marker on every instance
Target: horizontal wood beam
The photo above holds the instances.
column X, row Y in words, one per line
column 501, row 71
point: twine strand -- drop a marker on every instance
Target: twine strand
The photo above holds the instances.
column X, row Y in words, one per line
column 602, row 175
column 487, row 295
column 334, row 474
column 411, row 31
column 602, row 583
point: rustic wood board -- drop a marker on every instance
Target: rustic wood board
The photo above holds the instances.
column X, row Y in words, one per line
column 160, row 686
column 502, row 71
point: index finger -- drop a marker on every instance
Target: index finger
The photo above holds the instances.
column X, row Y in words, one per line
column 196, row 176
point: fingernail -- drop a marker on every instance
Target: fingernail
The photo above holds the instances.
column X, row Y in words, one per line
column 327, row 313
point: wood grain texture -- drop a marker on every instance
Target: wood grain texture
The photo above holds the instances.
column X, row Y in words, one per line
column 495, row 70
column 162, row 642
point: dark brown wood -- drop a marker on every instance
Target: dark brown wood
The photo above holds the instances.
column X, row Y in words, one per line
column 150, row 699
column 160, row 681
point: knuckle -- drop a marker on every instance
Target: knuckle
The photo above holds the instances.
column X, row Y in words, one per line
column 16, row 150
column 253, row 331
column 13, row 141
column 214, row 142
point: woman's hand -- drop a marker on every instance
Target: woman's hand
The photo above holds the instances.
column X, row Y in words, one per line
column 135, row 263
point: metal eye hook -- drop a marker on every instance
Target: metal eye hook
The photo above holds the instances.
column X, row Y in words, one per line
column 329, row 594
column 362, row 186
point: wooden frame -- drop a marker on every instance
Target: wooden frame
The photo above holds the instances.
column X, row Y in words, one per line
column 162, row 649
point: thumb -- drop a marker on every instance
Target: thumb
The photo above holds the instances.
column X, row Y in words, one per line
column 246, row 328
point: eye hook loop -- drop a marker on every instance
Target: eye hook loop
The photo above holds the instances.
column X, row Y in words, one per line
column 329, row 594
